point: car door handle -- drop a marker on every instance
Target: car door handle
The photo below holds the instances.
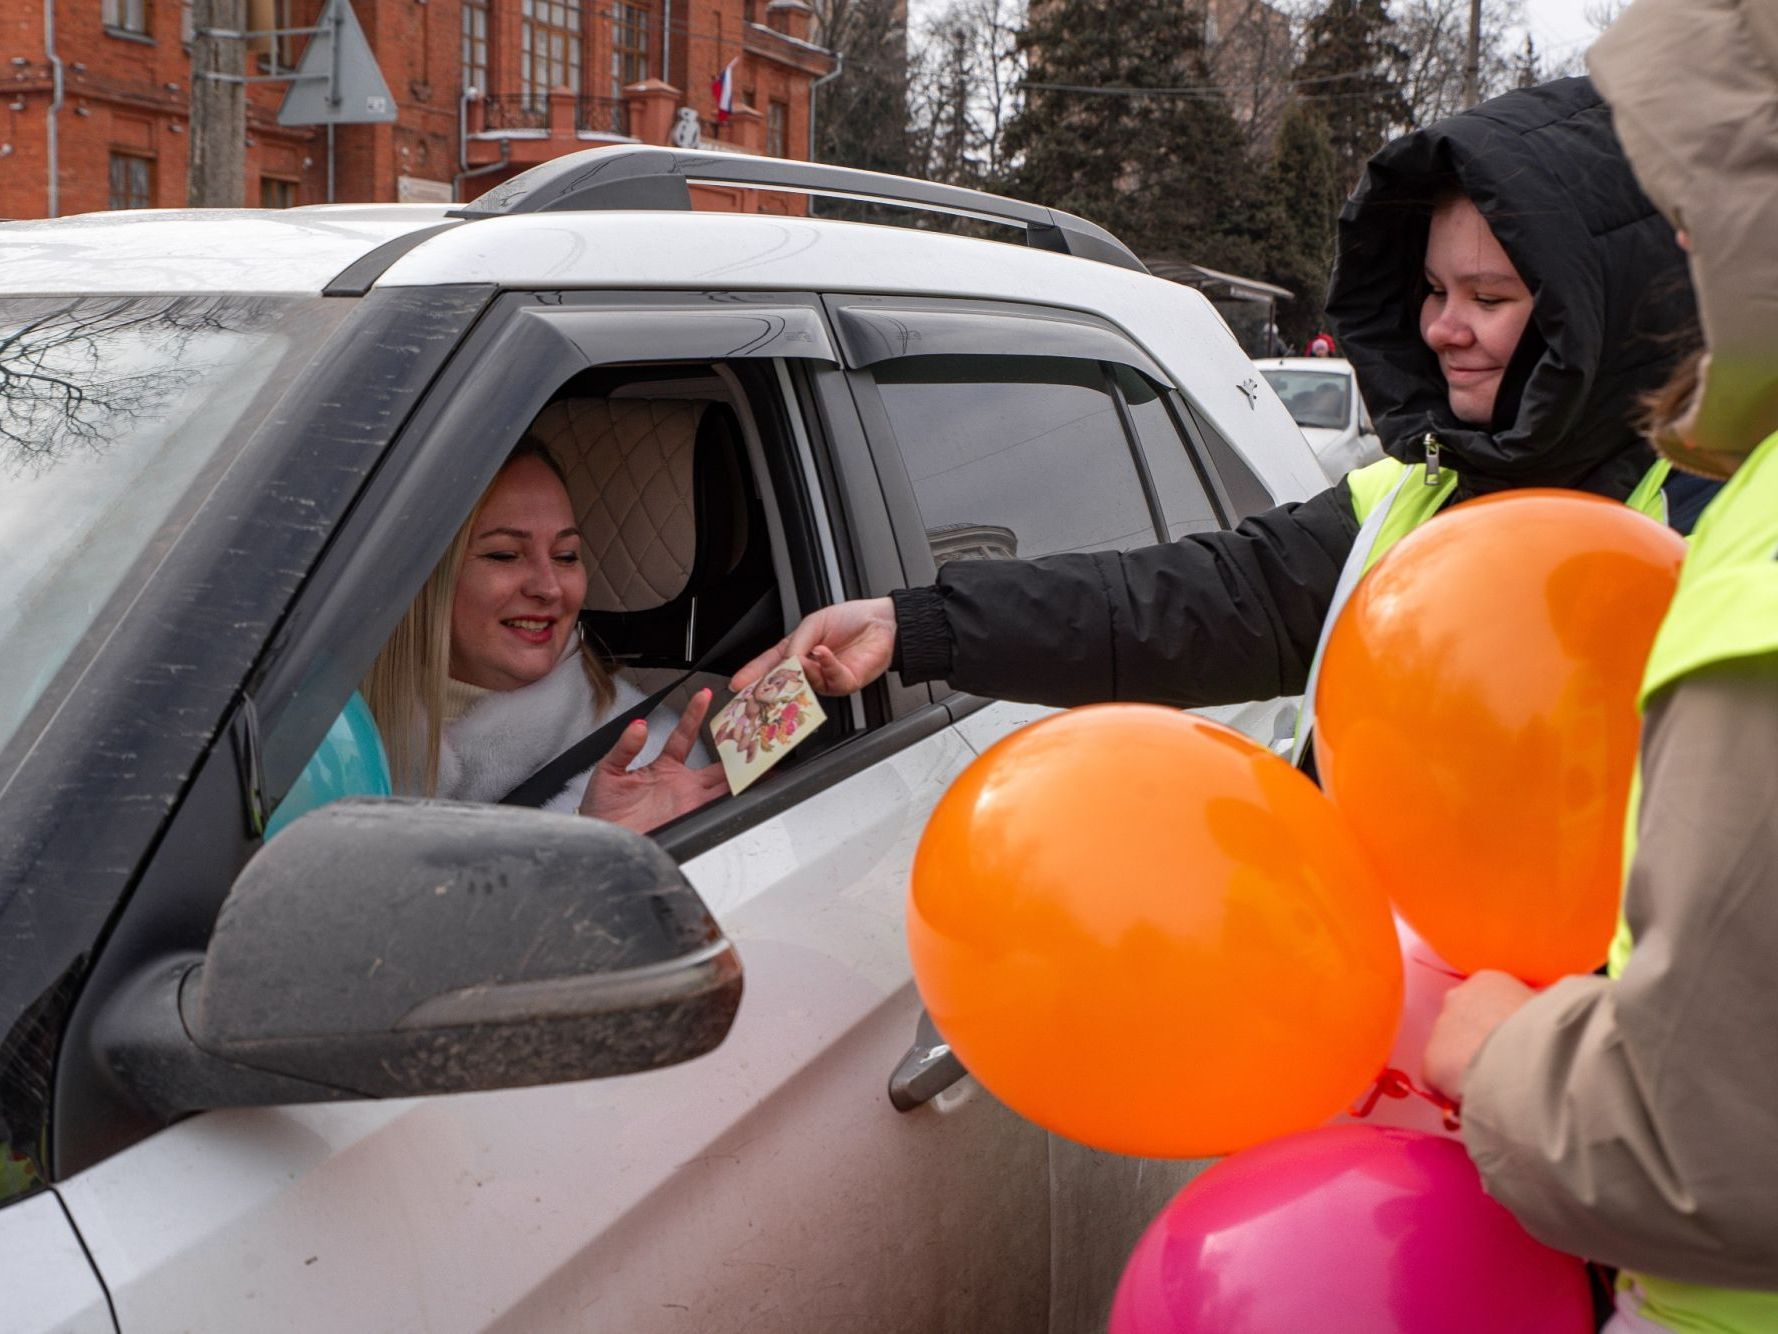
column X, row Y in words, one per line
column 929, row 1068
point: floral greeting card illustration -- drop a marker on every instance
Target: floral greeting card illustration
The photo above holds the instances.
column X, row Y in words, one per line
column 758, row 727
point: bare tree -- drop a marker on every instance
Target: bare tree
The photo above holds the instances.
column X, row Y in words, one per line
column 863, row 114
column 68, row 379
column 1435, row 35
column 1601, row 14
column 1253, row 48
column 964, row 69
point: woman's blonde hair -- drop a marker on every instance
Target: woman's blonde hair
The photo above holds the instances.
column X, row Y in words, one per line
column 406, row 685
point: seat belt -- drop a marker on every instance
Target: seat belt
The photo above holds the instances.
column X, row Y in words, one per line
column 536, row 790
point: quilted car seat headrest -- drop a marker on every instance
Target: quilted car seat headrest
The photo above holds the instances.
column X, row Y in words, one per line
column 629, row 468
column 657, row 488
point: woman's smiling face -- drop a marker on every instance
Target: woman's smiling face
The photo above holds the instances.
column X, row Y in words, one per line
column 1476, row 308
column 522, row 581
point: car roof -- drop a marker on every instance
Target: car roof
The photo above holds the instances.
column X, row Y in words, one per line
column 200, row 250
column 305, row 250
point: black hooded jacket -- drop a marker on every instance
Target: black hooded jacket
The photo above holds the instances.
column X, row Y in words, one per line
column 1231, row 616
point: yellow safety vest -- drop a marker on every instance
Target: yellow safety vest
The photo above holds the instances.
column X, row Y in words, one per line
column 1726, row 607
column 1390, row 499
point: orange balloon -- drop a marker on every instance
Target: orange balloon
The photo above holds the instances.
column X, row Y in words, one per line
column 1143, row 931
column 1476, row 722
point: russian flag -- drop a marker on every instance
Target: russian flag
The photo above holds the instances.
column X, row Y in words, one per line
column 722, row 87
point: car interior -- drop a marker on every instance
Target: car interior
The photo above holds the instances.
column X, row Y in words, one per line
column 689, row 568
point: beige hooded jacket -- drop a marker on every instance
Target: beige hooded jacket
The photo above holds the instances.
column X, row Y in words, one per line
column 1693, row 89
column 1635, row 1121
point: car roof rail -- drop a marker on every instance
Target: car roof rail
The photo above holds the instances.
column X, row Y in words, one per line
column 645, row 177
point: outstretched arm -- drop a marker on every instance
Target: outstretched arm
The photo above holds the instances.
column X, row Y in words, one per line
column 843, row 647
column 1215, row 618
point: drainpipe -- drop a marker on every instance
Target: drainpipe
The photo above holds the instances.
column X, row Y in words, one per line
column 55, row 103
column 839, row 63
column 467, row 172
column 666, row 41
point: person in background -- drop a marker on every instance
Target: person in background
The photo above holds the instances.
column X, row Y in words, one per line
column 1632, row 1118
column 1321, row 345
column 1503, row 322
column 488, row 679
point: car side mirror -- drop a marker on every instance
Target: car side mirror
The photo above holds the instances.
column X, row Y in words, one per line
column 392, row 948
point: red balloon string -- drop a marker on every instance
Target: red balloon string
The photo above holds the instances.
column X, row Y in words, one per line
column 1392, row 1083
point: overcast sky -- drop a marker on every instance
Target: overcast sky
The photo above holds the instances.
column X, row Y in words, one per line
column 1559, row 26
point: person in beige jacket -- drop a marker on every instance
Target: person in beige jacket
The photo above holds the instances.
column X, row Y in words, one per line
column 1633, row 1119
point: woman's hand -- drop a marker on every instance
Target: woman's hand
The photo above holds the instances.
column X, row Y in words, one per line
column 1472, row 1009
column 843, row 647
column 641, row 799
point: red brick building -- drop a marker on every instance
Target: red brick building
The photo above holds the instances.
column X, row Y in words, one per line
column 484, row 89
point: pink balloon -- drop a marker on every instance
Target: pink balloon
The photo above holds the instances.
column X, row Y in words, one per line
column 1425, row 980
column 1346, row 1230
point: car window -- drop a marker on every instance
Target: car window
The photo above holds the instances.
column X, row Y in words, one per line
column 1014, row 456
column 1246, row 493
column 1184, row 499
column 114, row 410
column 1319, row 399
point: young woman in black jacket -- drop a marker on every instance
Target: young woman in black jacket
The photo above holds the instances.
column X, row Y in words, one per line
column 1521, row 211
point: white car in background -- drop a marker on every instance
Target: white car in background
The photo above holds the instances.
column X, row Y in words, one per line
column 1321, row 394
column 421, row 1066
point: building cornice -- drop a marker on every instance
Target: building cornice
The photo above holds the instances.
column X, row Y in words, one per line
column 782, row 49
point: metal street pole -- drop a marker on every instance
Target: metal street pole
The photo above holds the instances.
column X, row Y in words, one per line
column 1472, row 58
column 217, row 175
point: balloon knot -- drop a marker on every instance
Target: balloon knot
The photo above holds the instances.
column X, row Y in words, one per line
column 1392, row 1083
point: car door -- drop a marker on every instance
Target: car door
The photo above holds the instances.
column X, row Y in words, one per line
column 51, row 1286
column 1005, row 431
column 768, row 1185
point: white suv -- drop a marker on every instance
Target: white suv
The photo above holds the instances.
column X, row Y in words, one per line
column 421, row 1066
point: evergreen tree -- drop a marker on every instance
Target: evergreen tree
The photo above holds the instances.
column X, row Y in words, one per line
column 1351, row 73
column 1119, row 124
column 1305, row 179
column 1529, row 70
column 947, row 138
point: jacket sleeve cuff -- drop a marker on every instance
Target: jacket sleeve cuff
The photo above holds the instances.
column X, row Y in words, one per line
column 922, row 635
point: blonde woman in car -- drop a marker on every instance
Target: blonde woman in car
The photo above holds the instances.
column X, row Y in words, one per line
column 487, row 678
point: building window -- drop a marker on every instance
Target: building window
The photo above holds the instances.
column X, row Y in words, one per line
column 275, row 54
column 277, row 192
column 132, row 181
column 475, row 45
column 777, row 121
column 629, row 46
column 550, row 56
column 129, row 16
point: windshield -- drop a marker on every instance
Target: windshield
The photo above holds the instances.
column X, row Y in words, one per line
column 1315, row 398
column 117, row 414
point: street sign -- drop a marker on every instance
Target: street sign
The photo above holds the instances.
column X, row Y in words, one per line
column 337, row 81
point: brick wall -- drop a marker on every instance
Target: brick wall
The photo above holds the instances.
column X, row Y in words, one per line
column 127, row 96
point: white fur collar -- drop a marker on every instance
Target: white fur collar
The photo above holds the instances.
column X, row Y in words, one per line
column 508, row 735
column 505, row 736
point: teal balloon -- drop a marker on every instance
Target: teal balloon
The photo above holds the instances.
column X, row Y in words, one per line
column 350, row 762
